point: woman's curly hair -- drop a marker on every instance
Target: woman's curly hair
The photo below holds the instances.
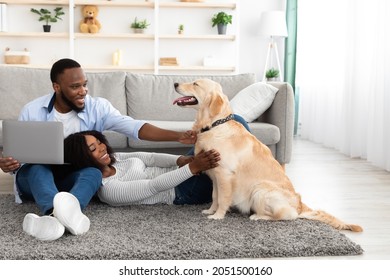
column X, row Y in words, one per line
column 77, row 153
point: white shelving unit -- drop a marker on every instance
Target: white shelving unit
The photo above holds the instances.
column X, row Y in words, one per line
column 94, row 51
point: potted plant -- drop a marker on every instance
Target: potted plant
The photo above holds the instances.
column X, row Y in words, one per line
column 272, row 74
column 47, row 16
column 139, row 26
column 221, row 20
column 180, row 29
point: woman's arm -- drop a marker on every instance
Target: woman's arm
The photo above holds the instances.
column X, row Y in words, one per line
column 116, row 192
column 151, row 159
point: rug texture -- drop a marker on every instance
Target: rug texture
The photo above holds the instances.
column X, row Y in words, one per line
column 160, row 232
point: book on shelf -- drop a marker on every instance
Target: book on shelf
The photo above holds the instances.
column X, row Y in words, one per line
column 3, row 17
column 168, row 61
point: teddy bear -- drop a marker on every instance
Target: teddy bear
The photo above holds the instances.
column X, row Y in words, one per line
column 90, row 23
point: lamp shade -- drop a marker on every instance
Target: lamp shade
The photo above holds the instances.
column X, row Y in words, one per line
column 273, row 23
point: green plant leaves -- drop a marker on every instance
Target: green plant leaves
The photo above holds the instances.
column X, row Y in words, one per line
column 46, row 15
column 221, row 18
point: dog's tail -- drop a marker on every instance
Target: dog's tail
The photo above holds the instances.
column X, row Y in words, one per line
column 322, row 216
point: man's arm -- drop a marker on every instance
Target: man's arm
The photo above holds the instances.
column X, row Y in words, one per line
column 153, row 133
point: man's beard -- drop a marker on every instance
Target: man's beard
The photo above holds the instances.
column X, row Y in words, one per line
column 70, row 103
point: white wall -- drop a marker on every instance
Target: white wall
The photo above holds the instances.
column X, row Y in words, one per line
column 253, row 47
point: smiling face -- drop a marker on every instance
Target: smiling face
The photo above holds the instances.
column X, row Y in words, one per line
column 89, row 148
column 71, row 89
column 98, row 150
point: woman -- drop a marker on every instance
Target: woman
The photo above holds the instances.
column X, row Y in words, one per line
column 140, row 177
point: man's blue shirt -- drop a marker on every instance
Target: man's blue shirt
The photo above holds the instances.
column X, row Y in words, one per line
column 98, row 114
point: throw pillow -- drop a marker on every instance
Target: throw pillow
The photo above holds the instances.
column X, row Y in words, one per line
column 253, row 100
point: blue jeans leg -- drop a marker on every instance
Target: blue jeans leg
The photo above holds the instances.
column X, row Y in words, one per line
column 85, row 183
column 195, row 190
column 241, row 120
column 237, row 118
column 37, row 182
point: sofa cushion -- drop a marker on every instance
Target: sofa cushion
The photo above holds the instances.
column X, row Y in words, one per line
column 268, row 134
column 109, row 85
column 20, row 85
column 253, row 100
column 116, row 140
column 150, row 97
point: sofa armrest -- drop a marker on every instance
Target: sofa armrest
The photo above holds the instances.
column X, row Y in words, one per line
column 281, row 113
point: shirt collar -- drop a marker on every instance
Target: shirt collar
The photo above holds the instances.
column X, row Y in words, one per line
column 51, row 103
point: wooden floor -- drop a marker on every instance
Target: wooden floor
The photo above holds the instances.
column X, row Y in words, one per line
column 351, row 189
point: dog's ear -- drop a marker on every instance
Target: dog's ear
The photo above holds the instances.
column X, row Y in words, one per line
column 216, row 104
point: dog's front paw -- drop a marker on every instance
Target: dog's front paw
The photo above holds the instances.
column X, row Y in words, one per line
column 208, row 211
column 255, row 217
column 216, row 217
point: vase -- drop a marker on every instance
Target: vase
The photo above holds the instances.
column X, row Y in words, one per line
column 138, row 30
column 222, row 28
column 46, row 28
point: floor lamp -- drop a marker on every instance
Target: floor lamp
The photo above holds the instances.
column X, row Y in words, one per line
column 273, row 24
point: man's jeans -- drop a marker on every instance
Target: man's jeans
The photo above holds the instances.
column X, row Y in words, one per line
column 42, row 182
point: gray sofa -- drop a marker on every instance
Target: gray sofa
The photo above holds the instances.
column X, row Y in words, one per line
column 149, row 97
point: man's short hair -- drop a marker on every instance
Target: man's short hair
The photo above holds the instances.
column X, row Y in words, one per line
column 60, row 66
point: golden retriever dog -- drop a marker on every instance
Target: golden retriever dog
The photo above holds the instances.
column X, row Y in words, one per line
column 248, row 177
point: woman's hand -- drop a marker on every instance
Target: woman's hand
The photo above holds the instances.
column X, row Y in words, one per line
column 204, row 161
column 183, row 160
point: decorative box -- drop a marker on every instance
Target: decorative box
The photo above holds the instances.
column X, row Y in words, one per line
column 16, row 57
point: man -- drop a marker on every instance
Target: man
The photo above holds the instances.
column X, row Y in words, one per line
column 58, row 190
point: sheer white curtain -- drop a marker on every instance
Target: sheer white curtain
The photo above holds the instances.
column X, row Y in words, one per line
column 343, row 76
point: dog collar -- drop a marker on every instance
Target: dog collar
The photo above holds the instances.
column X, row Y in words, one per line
column 217, row 122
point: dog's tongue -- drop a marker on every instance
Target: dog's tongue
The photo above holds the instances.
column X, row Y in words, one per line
column 182, row 99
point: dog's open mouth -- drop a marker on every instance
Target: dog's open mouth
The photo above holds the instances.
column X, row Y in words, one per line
column 186, row 100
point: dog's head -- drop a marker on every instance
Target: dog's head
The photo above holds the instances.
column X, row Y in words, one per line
column 204, row 95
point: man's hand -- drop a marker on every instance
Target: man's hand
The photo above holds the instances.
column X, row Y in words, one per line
column 9, row 164
column 188, row 137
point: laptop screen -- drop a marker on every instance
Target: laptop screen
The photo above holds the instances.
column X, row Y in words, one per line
column 39, row 142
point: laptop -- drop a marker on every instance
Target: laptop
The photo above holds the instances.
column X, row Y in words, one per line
column 39, row 142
